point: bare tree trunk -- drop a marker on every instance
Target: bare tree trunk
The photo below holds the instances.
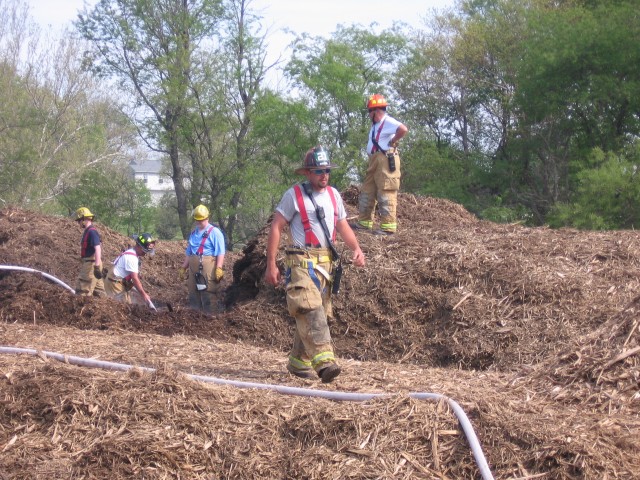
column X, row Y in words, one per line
column 178, row 183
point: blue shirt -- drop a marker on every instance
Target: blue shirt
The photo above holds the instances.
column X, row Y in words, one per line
column 213, row 245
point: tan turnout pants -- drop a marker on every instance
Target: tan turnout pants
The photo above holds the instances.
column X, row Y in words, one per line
column 380, row 187
column 86, row 283
column 204, row 300
column 308, row 288
column 115, row 288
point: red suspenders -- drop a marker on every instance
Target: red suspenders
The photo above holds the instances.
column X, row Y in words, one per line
column 205, row 235
column 85, row 241
column 310, row 238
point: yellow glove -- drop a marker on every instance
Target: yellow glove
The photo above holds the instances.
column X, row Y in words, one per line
column 218, row 274
column 183, row 273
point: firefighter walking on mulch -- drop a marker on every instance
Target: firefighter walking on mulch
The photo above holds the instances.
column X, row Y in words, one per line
column 204, row 259
column 89, row 281
column 314, row 212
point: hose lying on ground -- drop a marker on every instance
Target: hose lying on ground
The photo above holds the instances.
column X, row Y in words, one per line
column 32, row 270
column 151, row 305
column 474, row 443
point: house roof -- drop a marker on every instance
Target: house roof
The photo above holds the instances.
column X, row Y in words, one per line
column 147, row 166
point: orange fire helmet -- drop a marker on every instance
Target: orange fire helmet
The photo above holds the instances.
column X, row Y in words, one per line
column 376, row 101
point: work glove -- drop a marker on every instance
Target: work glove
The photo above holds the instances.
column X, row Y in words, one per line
column 183, row 273
column 97, row 271
column 218, row 274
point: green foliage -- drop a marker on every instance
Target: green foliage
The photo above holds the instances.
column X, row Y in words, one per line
column 503, row 214
column 165, row 218
column 520, row 111
column 286, row 129
column 582, row 66
column 119, row 201
column 607, row 195
column 439, row 172
column 335, row 76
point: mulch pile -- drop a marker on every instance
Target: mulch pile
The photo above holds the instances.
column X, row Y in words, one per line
column 534, row 332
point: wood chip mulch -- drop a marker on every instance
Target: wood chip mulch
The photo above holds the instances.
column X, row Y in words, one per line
column 534, row 332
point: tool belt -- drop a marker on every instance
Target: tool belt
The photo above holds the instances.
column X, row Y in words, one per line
column 314, row 261
column 311, row 261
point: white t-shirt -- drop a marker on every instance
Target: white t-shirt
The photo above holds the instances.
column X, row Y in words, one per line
column 288, row 207
column 389, row 127
column 126, row 263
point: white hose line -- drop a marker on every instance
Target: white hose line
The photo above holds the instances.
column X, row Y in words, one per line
column 46, row 275
column 467, row 428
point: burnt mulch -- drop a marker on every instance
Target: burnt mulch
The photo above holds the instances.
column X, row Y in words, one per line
column 533, row 331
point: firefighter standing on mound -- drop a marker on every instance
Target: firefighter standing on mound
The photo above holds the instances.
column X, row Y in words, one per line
column 204, row 258
column 123, row 277
column 309, row 263
column 382, row 181
column 89, row 281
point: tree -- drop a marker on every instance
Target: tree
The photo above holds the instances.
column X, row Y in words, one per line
column 227, row 90
column 335, row 76
column 578, row 89
column 582, row 65
column 457, row 85
column 118, row 200
column 607, row 194
column 55, row 121
column 149, row 45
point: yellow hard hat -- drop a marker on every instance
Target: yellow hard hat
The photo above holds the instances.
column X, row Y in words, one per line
column 84, row 212
column 200, row 212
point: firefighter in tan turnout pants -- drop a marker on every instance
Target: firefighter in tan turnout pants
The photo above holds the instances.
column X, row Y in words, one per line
column 89, row 281
column 309, row 263
column 203, row 262
column 382, row 181
column 123, row 276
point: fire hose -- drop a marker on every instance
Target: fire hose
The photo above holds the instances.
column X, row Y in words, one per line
column 55, row 280
column 467, row 428
column 45, row 275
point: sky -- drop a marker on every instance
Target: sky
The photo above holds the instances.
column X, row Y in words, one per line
column 316, row 17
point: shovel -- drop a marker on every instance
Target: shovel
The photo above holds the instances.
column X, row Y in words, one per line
column 151, row 303
column 159, row 305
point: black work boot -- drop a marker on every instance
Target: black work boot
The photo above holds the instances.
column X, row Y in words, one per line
column 328, row 373
column 358, row 226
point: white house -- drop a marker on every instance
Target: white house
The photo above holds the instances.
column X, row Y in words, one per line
column 149, row 171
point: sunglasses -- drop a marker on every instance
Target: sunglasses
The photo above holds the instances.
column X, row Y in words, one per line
column 321, row 171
